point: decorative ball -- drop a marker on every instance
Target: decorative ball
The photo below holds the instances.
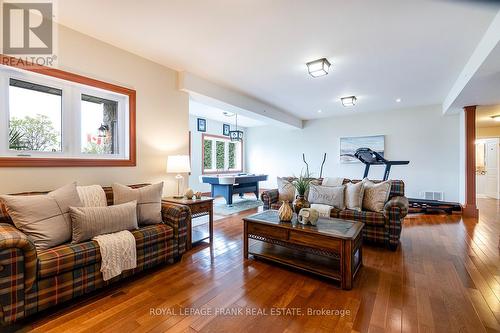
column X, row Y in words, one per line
column 188, row 193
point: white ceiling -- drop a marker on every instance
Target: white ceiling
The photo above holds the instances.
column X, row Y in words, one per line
column 483, row 87
column 483, row 116
column 380, row 50
column 210, row 112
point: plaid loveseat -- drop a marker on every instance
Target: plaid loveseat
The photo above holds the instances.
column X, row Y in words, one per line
column 383, row 228
column 32, row 281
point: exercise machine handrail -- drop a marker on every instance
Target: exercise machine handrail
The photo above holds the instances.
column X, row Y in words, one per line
column 369, row 157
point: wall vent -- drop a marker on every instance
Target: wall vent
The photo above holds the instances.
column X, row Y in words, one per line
column 432, row 195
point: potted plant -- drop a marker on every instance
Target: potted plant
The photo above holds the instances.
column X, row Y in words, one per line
column 301, row 185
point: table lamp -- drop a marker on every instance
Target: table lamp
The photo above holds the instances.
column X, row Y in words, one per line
column 178, row 164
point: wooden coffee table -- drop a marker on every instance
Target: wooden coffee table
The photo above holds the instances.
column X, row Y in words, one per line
column 331, row 249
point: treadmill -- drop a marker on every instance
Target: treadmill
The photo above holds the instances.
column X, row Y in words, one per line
column 369, row 157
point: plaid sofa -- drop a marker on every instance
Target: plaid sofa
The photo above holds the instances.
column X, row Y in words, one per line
column 382, row 228
column 32, row 281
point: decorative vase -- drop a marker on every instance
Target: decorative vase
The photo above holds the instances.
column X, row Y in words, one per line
column 285, row 212
column 299, row 203
column 188, row 194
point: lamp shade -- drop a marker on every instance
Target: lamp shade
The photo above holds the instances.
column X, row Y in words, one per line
column 178, row 164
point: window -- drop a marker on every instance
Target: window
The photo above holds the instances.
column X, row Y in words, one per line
column 220, row 155
column 99, row 121
column 61, row 119
column 35, row 113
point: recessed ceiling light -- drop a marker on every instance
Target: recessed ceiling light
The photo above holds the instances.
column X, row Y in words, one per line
column 319, row 111
column 496, row 118
column 318, row 67
column 398, row 100
column 349, row 100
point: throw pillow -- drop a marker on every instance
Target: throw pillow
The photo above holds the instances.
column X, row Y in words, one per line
column 376, row 195
column 327, row 195
column 332, row 181
column 285, row 189
column 148, row 201
column 44, row 218
column 88, row 222
column 354, row 196
column 92, row 196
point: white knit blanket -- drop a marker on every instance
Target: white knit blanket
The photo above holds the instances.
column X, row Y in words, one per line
column 118, row 253
column 323, row 210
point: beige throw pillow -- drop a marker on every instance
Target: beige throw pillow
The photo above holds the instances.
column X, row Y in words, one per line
column 92, row 196
column 354, row 196
column 285, row 189
column 88, row 222
column 332, row 181
column 44, row 218
column 327, row 195
column 148, row 201
column 376, row 195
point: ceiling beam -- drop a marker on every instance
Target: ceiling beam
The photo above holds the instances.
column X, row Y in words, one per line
column 485, row 47
column 229, row 100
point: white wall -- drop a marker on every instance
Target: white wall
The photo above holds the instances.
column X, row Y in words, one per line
column 162, row 117
column 429, row 140
column 214, row 128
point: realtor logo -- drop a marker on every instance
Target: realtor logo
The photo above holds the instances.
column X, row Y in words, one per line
column 27, row 28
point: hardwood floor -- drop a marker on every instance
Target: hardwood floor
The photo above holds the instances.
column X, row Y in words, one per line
column 444, row 278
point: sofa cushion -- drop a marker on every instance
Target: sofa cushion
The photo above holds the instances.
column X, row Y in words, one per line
column 148, row 201
column 44, row 218
column 92, row 196
column 354, row 193
column 369, row 218
column 327, row 195
column 88, row 222
column 68, row 257
column 376, row 195
column 285, row 189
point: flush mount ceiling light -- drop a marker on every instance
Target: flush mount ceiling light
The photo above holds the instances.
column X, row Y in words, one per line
column 398, row 100
column 496, row 118
column 349, row 100
column 318, row 67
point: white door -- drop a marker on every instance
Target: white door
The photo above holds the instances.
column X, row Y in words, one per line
column 492, row 168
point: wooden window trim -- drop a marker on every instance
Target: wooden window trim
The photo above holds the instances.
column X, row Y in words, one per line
column 203, row 172
column 75, row 162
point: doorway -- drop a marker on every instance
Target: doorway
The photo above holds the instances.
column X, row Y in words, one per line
column 487, row 155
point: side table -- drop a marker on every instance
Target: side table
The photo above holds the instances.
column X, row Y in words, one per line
column 199, row 207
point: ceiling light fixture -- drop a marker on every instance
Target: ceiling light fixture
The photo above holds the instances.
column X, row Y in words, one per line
column 349, row 100
column 318, row 67
column 236, row 134
column 398, row 100
column 496, row 118
column 319, row 111
column 228, row 114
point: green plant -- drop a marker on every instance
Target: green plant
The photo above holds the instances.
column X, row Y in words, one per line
column 37, row 133
column 15, row 140
column 219, row 157
column 302, row 183
column 207, row 156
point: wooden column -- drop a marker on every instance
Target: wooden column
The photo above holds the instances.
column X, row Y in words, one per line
column 470, row 207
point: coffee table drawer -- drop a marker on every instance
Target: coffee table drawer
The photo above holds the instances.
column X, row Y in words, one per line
column 267, row 231
column 317, row 241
